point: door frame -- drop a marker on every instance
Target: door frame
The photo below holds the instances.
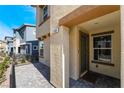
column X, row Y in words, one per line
column 80, row 52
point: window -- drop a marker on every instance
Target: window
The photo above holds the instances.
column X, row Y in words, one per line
column 45, row 12
column 41, row 49
column 102, row 48
column 35, row 47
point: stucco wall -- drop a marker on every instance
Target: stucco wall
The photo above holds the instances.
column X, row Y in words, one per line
column 56, row 44
column 44, row 28
column 46, row 59
column 74, row 52
column 41, row 30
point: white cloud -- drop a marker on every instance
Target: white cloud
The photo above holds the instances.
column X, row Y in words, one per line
column 5, row 31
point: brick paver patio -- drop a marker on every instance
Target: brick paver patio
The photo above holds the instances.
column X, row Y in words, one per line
column 34, row 75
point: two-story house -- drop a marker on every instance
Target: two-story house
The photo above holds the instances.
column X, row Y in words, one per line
column 81, row 38
column 25, row 40
column 9, row 44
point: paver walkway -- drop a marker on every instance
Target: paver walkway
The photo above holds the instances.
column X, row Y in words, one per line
column 34, row 75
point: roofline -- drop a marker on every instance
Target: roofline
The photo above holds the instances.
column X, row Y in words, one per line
column 33, row 5
column 24, row 25
column 38, row 5
column 2, row 41
column 8, row 37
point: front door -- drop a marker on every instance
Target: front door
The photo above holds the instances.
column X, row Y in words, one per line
column 84, row 39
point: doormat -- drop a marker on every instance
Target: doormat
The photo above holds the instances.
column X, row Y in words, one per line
column 90, row 77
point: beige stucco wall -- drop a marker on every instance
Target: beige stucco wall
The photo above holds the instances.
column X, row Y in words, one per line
column 74, row 52
column 42, row 30
column 56, row 44
column 46, row 59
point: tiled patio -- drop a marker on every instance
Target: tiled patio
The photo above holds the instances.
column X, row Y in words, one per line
column 101, row 82
column 34, row 75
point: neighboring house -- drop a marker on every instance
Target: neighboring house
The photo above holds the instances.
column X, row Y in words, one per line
column 2, row 46
column 25, row 40
column 78, row 39
column 9, row 44
column 16, row 42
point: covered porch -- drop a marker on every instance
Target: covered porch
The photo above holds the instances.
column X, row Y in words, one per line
column 93, row 44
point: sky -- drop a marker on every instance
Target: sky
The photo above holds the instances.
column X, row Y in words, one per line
column 13, row 16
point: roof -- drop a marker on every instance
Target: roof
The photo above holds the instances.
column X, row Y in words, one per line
column 24, row 25
column 38, row 5
column 2, row 41
column 8, row 37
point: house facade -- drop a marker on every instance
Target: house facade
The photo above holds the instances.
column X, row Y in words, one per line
column 42, row 34
column 80, row 38
column 25, row 40
column 2, row 46
column 9, row 44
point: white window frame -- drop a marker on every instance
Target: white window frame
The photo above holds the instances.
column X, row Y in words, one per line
column 104, row 48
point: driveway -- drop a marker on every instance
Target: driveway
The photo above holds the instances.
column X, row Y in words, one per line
column 34, row 75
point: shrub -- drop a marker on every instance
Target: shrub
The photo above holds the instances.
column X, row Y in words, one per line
column 28, row 57
column 3, row 67
column 23, row 60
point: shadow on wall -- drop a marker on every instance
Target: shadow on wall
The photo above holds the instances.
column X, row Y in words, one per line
column 43, row 69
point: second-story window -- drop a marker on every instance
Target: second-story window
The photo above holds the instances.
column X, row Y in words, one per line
column 45, row 12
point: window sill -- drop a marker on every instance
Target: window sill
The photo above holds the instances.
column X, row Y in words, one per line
column 44, row 21
column 102, row 62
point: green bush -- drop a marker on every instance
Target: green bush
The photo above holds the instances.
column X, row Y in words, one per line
column 3, row 66
column 28, row 57
column 23, row 60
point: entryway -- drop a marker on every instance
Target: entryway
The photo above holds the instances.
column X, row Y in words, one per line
column 90, row 42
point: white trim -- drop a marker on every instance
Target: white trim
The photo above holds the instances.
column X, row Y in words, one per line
column 104, row 48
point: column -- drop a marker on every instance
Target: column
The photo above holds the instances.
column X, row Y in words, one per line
column 59, row 56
